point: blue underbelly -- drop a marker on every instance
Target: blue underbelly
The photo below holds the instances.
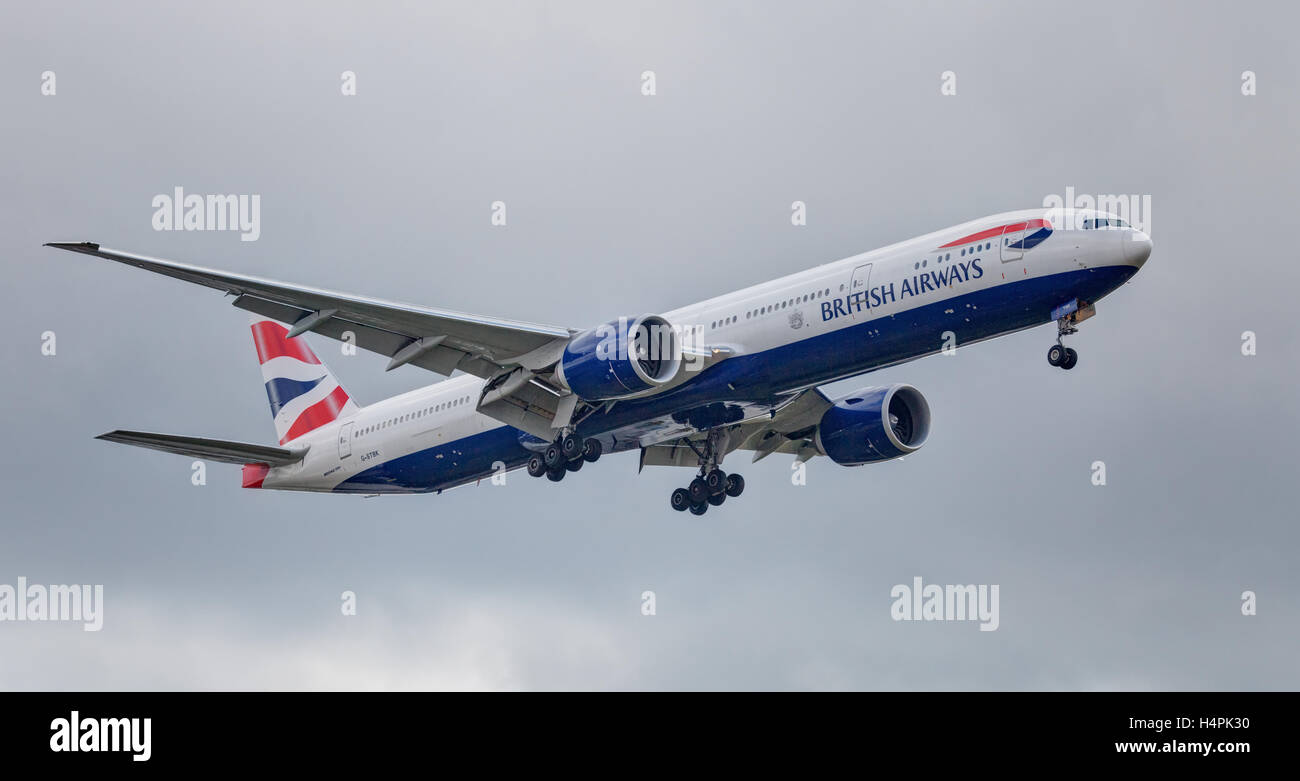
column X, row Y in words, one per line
column 455, row 463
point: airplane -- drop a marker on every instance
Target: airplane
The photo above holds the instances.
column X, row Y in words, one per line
column 684, row 388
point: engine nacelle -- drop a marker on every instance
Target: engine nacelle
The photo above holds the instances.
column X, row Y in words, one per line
column 622, row 358
column 874, row 424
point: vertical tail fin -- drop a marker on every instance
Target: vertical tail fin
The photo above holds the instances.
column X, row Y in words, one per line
column 304, row 394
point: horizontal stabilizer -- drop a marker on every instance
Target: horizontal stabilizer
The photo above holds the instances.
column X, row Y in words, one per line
column 208, row 449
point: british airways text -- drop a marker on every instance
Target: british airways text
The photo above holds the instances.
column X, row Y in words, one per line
column 915, row 286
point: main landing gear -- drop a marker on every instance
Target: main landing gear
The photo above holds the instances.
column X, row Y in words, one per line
column 711, row 487
column 566, row 454
column 1060, row 355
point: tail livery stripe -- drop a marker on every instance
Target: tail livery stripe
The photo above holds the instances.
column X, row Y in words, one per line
column 303, row 393
column 318, row 414
column 269, row 339
column 280, row 391
column 293, row 369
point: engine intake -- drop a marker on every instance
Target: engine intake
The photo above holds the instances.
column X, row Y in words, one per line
column 621, row 358
column 874, row 424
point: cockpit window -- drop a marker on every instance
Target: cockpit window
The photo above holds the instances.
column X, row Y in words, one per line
column 1105, row 222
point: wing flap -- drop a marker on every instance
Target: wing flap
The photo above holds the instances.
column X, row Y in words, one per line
column 221, row 450
column 788, row 428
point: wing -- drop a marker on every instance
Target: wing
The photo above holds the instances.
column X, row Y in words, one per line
column 788, row 428
column 791, row 430
column 208, row 449
column 434, row 339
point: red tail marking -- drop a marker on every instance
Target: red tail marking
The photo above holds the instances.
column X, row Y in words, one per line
column 324, row 411
column 269, row 338
column 254, row 474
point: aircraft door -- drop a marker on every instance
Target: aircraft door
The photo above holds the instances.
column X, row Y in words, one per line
column 859, row 286
column 1012, row 243
column 345, row 440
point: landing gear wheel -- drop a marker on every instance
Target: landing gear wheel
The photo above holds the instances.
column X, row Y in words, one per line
column 552, row 456
column 1071, row 358
column 698, row 490
column 536, row 467
column 1056, row 355
column 717, row 499
column 570, row 446
column 681, row 499
column 574, row 465
column 591, row 450
column 735, row 485
column 555, row 475
column 699, row 509
column 716, row 480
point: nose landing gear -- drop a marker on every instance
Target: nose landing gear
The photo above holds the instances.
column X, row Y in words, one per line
column 1059, row 355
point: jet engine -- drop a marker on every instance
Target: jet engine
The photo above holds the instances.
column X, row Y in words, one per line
column 874, row 424
column 623, row 358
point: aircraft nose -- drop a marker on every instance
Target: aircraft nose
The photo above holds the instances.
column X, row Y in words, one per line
column 1138, row 248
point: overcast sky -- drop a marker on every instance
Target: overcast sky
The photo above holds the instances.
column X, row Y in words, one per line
column 621, row 203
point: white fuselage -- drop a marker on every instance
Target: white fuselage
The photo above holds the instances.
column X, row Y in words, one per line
column 972, row 280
